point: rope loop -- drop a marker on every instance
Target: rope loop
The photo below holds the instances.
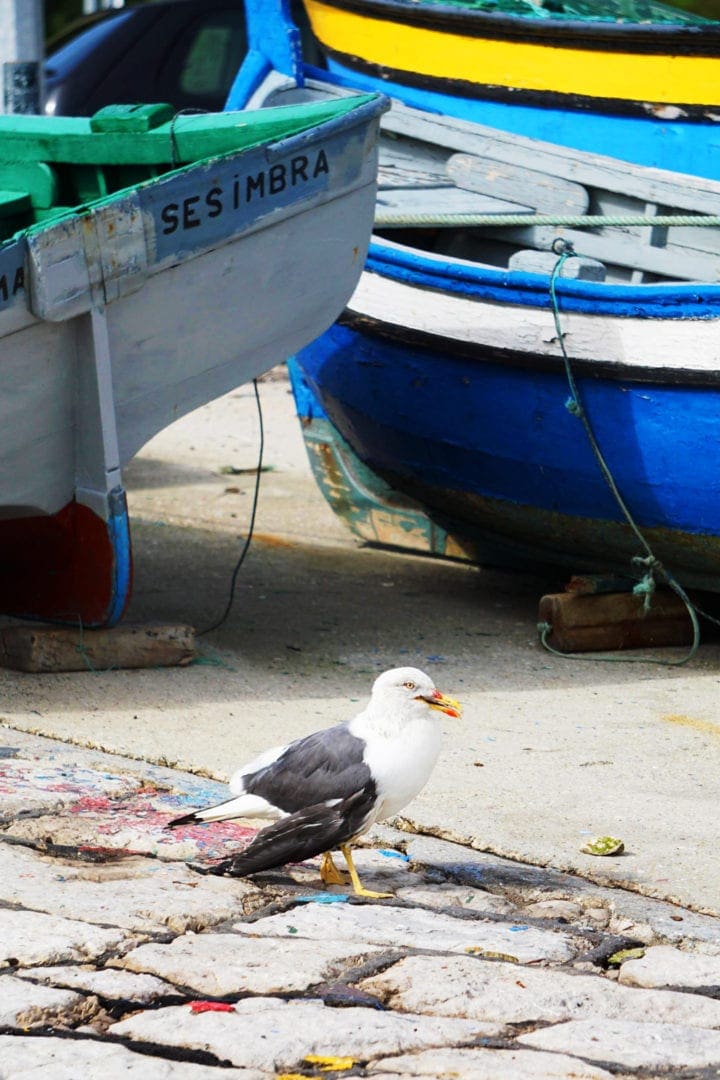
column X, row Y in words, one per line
column 561, row 246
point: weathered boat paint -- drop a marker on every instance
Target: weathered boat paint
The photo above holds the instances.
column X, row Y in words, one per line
column 112, row 324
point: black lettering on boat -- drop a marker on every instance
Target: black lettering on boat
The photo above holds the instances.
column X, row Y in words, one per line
column 298, row 169
column 190, row 215
column 214, row 203
column 169, row 214
column 236, row 193
column 11, row 283
column 276, row 179
column 321, row 165
column 255, row 184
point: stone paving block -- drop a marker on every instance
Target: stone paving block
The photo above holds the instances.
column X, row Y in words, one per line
column 25, row 1005
column 663, row 965
column 154, row 895
column 266, row 1033
column 455, row 896
column 630, row 1045
column 24, row 1058
column 37, row 786
column 494, row 991
column 482, row 1064
column 33, row 937
column 554, row 909
column 110, row 984
column 535, row 883
column 417, row 928
column 220, row 965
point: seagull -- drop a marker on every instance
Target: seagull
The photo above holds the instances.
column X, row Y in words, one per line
column 326, row 789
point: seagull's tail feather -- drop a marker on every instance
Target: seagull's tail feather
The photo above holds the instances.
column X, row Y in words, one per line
column 240, row 806
column 304, row 834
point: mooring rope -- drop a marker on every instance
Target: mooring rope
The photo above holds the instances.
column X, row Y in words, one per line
column 390, row 219
column 646, row 586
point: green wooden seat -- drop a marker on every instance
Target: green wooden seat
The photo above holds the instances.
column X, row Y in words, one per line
column 37, row 178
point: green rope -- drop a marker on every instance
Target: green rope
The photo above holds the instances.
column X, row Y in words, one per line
column 391, row 219
column 646, row 586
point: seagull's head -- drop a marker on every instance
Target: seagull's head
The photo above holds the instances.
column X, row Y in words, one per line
column 410, row 691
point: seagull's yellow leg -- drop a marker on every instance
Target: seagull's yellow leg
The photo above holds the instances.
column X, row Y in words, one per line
column 358, row 888
column 330, row 873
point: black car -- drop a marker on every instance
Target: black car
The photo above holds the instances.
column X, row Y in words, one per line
column 185, row 52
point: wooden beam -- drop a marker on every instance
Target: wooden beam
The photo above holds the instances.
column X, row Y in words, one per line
column 51, row 648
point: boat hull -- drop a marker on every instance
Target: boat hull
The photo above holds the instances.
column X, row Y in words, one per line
column 117, row 321
column 645, row 93
column 439, row 422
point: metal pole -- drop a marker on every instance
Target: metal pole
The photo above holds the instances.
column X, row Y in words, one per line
column 21, row 55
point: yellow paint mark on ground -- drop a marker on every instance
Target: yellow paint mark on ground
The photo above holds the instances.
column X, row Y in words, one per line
column 329, row 1063
column 691, row 722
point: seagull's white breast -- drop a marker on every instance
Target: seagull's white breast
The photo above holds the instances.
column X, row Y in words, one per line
column 401, row 763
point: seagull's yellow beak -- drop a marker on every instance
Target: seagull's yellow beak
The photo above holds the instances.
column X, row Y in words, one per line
column 447, row 705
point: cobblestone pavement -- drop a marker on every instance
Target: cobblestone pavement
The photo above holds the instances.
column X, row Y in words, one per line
column 121, row 955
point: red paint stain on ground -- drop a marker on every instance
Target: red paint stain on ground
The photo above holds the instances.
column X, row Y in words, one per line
column 211, row 1006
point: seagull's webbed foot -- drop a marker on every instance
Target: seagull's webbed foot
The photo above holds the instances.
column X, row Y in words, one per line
column 358, row 888
column 330, row 873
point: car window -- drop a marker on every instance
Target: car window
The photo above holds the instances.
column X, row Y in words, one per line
column 204, row 60
column 211, row 61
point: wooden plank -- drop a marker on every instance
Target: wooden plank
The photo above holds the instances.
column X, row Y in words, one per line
column 49, row 648
column 440, row 201
column 546, row 193
column 189, row 138
column 590, row 623
column 616, row 249
column 672, row 190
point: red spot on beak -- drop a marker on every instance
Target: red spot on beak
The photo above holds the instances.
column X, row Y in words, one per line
column 444, row 704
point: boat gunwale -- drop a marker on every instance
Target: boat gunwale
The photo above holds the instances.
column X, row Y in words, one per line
column 685, row 40
column 486, row 353
column 522, row 288
column 692, row 112
column 360, row 115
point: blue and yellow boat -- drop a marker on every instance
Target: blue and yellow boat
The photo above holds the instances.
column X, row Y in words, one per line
column 638, row 80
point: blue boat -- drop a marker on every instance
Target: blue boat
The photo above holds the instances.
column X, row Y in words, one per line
column 436, row 409
column 528, row 373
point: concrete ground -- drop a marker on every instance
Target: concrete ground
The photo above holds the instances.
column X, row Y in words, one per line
column 549, row 753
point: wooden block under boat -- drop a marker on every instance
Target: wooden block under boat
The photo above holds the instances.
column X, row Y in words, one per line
column 601, row 621
column 52, row 648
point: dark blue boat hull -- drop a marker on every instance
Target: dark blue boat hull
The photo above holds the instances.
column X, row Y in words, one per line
column 493, row 458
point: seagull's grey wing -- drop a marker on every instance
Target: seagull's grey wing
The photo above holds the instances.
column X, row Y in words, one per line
column 320, row 767
column 304, row 834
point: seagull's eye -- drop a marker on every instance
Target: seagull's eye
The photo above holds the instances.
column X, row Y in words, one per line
column 409, row 685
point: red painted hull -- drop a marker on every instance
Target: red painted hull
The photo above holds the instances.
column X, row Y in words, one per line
column 70, row 567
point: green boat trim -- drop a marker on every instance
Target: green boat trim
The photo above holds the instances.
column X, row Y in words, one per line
column 51, row 166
